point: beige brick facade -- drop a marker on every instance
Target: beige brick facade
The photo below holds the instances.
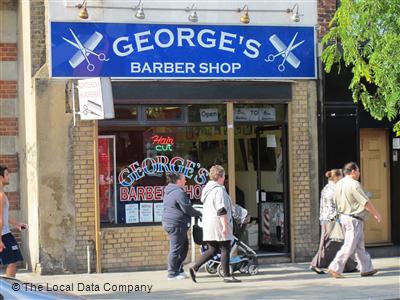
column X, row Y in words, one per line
column 304, row 201
column 139, row 248
column 83, row 190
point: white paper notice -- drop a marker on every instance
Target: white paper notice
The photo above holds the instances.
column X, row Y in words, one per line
column 242, row 114
column 146, row 212
column 209, row 115
column 267, row 114
column 158, row 211
column 254, row 114
column 271, row 141
column 131, row 213
column 263, row 196
column 396, row 143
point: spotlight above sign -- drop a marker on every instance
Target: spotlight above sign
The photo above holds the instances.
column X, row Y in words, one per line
column 140, row 10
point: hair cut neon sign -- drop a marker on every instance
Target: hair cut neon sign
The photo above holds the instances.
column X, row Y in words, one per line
column 162, row 143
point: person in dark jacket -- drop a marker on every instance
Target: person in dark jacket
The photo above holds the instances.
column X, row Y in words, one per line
column 176, row 221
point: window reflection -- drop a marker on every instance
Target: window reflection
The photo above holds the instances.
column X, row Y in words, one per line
column 164, row 113
column 126, row 112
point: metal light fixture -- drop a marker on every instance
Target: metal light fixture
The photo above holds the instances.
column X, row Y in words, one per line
column 140, row 12
column 295, row 14
column 245, row 19
column 193, row 14
column 192, row 11
column 83, row 13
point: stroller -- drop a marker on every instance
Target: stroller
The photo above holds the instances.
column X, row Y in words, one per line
column 246, row 259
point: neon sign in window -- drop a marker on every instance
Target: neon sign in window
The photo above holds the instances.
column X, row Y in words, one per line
column 163, row 143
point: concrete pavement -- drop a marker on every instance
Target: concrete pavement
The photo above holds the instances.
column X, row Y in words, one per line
column 277, row 281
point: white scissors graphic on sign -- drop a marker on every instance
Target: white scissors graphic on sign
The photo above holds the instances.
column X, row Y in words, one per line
column 285, row 52
column 87, row 111
column 86, row 50
column 91, row 107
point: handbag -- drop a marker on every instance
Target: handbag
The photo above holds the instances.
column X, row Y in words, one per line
column 197, row 233
column 335, row 231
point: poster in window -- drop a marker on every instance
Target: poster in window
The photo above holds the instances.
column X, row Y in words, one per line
column 146, row 212
column 106, row 179
column 132, row 213
column 267, row 114
column 273, row 222
column 158, row 211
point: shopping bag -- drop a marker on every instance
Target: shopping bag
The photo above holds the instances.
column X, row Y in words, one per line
column 197, row 233
column 335, row 231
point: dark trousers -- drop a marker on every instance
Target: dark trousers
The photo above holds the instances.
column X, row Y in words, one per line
column 213, row 248
column 178, row 249
column 327, row 251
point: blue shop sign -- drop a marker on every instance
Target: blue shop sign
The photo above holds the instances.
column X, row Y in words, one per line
column 165, row 51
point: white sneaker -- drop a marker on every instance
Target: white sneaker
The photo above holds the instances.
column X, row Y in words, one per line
column 184, row 275
column 177, row 277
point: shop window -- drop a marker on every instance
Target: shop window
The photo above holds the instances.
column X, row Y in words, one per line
column 126, row 112
column 107, row 183
column 143, row 156
column 164, row 113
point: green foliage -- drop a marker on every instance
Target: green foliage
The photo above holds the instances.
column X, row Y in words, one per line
column 365, row 35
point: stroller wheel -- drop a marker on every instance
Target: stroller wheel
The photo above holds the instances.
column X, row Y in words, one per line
column 244, row 268
column 221, row 272
column 211, row 269
column 253, row 270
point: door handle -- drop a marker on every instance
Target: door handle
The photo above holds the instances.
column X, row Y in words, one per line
column 384, row 164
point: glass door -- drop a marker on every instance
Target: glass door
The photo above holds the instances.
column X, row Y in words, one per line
column 272, row 188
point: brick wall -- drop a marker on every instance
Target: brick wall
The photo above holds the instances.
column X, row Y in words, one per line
column 302, row 202
column 8, row 52
column 83, row 187
column 38, row 34
column 9, row 97
column 326, row 10
column 8, row 88
column 134, row 248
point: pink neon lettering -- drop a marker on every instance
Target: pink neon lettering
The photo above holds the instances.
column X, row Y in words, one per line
column 158, row 193
column 162, row 140
column 149, row 193
column 124, row 194
column 132, row 194
column 140, row 193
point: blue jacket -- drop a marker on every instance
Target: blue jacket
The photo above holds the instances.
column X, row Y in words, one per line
column 177, row 207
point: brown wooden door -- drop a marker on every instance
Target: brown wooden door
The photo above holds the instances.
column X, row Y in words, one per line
column 375, row 179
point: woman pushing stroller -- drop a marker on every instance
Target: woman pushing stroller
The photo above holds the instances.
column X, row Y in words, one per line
column 217, row 223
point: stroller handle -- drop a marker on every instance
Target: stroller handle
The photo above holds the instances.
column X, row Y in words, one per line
column 196, row 220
